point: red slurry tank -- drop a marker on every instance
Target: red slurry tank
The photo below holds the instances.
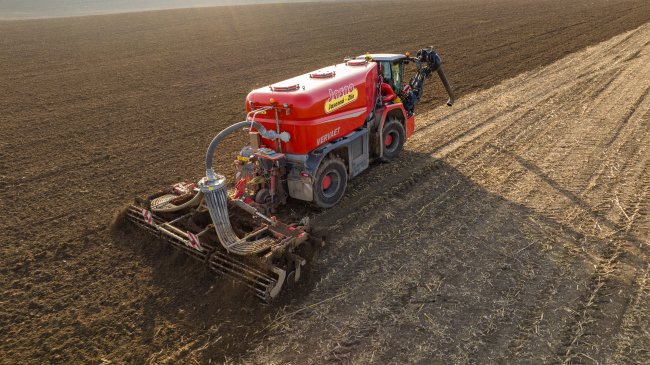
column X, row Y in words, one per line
column 319, row 106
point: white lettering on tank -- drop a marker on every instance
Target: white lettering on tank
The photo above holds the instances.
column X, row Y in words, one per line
column 322, row 139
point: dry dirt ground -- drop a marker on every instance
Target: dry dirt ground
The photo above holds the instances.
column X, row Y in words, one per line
column 514, row 228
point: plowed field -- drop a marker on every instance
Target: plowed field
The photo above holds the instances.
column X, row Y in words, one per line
column 514, row 228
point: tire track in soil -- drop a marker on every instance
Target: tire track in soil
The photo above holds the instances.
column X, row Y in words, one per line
column 567, row 102
column 463, row 154
column 633, row 340
column 608, row 270
column 629, row 154
column 612, row 270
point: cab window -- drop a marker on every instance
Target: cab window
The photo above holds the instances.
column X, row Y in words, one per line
column 392, row 74
column 396, row 68
column 387, row 70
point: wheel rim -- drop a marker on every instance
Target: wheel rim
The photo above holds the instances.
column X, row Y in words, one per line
column 388, row 140
column 327, row 182
column 330, row 184
column 391, row 141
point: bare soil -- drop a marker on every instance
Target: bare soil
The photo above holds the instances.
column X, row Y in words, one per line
column 514, row 228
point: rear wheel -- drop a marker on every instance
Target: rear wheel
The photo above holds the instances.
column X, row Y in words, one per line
column 394, row 137
column 330, row 182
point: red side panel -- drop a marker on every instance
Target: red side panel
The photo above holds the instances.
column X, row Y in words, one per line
column 327, row 104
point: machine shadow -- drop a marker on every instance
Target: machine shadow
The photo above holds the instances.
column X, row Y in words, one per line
column 230, row 322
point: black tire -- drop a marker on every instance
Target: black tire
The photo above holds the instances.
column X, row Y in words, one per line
column 330, row 182
column 263, row 196
column 393, row 136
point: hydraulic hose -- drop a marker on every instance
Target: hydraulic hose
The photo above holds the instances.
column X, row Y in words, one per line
column 445, row 83
column 209, row 170
column 215, row 191
column 269, row 134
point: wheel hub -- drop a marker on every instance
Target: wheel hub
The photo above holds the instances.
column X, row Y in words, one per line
column 388, row 140
column 327, row 182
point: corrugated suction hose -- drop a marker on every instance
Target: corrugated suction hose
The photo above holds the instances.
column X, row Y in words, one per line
column 214, row 189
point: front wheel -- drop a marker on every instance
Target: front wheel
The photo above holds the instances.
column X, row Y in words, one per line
column 330, row 182
column 394, row 137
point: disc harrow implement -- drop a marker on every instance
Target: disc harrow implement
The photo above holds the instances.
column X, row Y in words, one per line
column 264, row 271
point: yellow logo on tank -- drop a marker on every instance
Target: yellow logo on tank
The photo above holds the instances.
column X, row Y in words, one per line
column 341, row 97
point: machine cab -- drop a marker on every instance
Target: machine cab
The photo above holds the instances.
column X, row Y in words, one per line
column 392, row 68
